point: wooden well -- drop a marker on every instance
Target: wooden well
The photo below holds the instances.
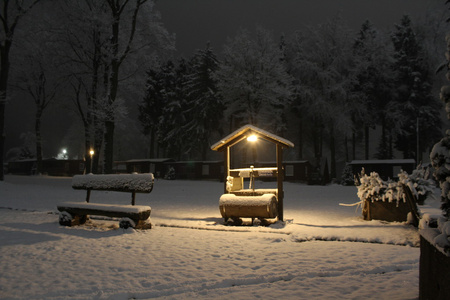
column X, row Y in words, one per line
column 277, row 171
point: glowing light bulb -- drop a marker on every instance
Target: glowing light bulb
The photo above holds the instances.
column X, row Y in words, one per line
column 252, row 138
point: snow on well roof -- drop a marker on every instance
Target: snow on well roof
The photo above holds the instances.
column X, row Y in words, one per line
column 246, row 131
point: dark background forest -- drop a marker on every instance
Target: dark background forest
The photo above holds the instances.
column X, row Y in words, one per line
column 106, row 75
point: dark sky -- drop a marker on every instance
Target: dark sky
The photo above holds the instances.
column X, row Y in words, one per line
column 195, row 22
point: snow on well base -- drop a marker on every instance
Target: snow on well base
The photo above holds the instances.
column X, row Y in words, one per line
column 263, row 206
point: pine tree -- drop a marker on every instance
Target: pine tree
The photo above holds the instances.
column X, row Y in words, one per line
column 205, row 107
column 172, row 135
column 373, row 88
column 150, row 109
column 253, row 83
column 414, row 104
column 321, row 63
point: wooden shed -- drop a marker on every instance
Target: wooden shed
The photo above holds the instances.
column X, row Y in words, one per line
column 155, row 166
column 197, row 169
column 386, row 168
column 251, row 203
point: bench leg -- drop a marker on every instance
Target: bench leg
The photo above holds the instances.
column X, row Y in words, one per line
column 133, row 198
column 67, row 219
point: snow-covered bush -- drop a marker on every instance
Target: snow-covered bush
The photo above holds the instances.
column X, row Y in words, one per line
column 440, row 154
column 419, row 180
column 373, row 188
column 347, row 177
column 440, row 160
column 170, row 175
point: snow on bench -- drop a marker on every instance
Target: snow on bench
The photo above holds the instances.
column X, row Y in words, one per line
column 74, row 213
column 261, row 206
column 132, row 183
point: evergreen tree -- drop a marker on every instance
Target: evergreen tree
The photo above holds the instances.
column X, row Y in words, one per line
column 172, row 135
column 205, row 108
column 414, row 104
column 253, row 83
column 373, row 90
column 150, row 109
column 321, row 62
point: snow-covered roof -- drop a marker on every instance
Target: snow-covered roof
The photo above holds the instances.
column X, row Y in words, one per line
column 383, row 161
column 246, row 131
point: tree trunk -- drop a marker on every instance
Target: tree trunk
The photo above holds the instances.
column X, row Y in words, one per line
column 109, row 147
column 346, row 148
column 113, row 82
column 353, row 145
column 37, row 128
column 333, row 153
column 2, row 132
column 4, row 72
column 366, row 142
column 316, row 139
column 300, row 137
column 152, row 143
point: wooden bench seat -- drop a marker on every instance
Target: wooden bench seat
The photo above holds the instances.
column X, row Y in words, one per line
column 78, row 212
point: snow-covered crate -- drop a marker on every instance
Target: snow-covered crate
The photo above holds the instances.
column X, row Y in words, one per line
column 434, row 270
column 262, row 207
column 132, row 183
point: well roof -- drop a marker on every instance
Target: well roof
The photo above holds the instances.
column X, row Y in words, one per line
column 244, row 132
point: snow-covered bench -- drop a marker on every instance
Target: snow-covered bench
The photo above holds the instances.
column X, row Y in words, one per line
column 74, row 213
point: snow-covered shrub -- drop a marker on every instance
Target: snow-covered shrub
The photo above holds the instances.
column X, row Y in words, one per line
column 419, row 182
column 440, row 154
column 373, row 188
column 347, row 177
column 440, row 160
column 170, row 175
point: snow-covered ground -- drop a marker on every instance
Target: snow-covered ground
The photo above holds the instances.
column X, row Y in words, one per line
column 322, row 251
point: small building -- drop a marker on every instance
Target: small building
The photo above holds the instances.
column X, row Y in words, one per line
column 50, row 166
column 299, row 170
column 157, row 166
column 386, row 168
column 196, row 169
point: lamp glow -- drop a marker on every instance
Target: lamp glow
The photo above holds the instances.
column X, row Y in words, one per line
column 252, row 138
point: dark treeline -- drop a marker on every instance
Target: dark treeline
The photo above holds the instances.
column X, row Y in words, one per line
column 112, row 64
column 325, row 88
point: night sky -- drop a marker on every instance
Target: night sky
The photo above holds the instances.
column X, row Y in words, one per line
column 196, row 22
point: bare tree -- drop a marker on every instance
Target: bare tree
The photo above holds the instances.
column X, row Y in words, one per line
column 100, row 37
column 11, row 14
column 43, row 91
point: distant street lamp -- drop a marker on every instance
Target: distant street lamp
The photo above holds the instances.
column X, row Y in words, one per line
column 92, row 155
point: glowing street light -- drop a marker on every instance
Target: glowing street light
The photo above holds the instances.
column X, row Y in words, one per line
column 91, row 153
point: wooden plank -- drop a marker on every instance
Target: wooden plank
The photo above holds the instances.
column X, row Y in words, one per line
column 113, row 211
column 280, row 178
